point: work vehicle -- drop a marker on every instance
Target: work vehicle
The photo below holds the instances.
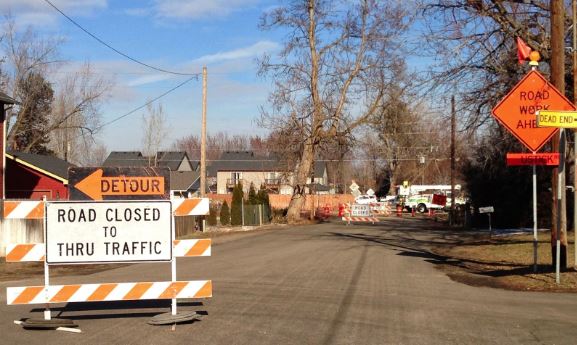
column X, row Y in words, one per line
column 421, row 203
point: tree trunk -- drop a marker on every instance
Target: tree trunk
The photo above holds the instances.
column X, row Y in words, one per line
column 303, row 171
column 393, row 179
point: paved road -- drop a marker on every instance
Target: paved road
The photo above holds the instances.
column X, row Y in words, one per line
column 322, row 284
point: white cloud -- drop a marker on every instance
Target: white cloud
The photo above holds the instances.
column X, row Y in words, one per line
column 148, row 79
column 199, row 9
column 35, row 12
column 138, row 12
column 254, row 50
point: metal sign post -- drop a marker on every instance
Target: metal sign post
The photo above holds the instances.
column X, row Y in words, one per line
column 535, row 238
column 488, row 210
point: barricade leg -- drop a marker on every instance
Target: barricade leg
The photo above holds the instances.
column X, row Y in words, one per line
column 47, row 315
column 173, row 274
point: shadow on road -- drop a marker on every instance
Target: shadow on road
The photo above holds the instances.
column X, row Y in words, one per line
column 109, row 309
column 423, row 239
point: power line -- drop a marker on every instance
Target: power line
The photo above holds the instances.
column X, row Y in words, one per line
column 114, row 49
column 142, row 106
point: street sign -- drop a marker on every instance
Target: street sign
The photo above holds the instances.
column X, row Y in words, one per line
column 354, row 186
column 487, row 209
column 558, row 119
column 358, row 210
column 108, row 183
column 104, row 232
column 517, row 111
column 549, row 159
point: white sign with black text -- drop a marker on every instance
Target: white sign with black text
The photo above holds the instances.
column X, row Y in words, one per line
column 358, row 210
column 487, row 209
column 103, row 232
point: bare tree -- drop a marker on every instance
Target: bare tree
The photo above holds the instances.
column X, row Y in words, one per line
column 154, row 131
column 337, row 63
column 95, row 153
column 75, row 113
column 220, row 142
column 27, row 55
column 473, row 45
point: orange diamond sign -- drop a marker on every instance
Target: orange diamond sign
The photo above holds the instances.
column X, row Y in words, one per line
column 518, row 110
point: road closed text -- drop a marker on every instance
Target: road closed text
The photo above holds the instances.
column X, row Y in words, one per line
column 137, row 214
column 79, row 232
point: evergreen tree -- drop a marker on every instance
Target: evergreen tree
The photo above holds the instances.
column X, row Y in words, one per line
column 211, row 219
column 252, row 197
column 264, row 200
column 236, row 208
column 224, row 214
column 31, row 133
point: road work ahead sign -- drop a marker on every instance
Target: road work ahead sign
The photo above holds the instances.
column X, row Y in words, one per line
column 139, row 183
column 102, row 232
column 517, row 111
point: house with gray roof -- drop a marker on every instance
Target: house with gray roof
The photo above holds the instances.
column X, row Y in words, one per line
column 126, row 159
column 185, row 184
column 246, row 167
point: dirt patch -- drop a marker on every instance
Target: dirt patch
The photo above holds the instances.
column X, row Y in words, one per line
column 505, row 262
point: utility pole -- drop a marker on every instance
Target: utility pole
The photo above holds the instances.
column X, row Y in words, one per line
column 203, row 138
column 574, row 51
column 453, row 127
column 558, row 209
column 203, row 145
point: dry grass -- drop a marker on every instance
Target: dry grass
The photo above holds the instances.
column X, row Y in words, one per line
column 507, row 262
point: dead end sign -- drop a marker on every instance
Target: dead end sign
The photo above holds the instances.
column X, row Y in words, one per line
column 518, row 109
column 108, row 183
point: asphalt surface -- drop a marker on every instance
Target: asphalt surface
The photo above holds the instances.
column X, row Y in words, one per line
column 321, row 284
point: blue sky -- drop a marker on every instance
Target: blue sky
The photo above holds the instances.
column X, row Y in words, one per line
column 179, row 35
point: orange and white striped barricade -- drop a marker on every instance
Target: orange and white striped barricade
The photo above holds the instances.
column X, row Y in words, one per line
column 380, row 209
column 30, row 252
column 360, row 213
column 190, row 207
column 108, row 292
column 15, row 209
column 25, row 252
column 372, row 220
column 116, row 214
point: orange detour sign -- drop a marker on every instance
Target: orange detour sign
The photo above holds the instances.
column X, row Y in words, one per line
column 517, row 111
column 118, row 183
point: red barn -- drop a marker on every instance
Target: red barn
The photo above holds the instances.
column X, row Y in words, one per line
column 32, row 176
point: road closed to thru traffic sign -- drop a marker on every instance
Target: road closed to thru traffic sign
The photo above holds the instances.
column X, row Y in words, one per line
column 98, row 232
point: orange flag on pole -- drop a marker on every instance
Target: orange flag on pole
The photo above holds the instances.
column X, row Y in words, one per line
column 523, row 50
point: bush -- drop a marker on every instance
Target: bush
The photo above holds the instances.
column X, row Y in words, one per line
column 211, row 219
column 279, row 215
column 224, row 214
column 236, row 209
